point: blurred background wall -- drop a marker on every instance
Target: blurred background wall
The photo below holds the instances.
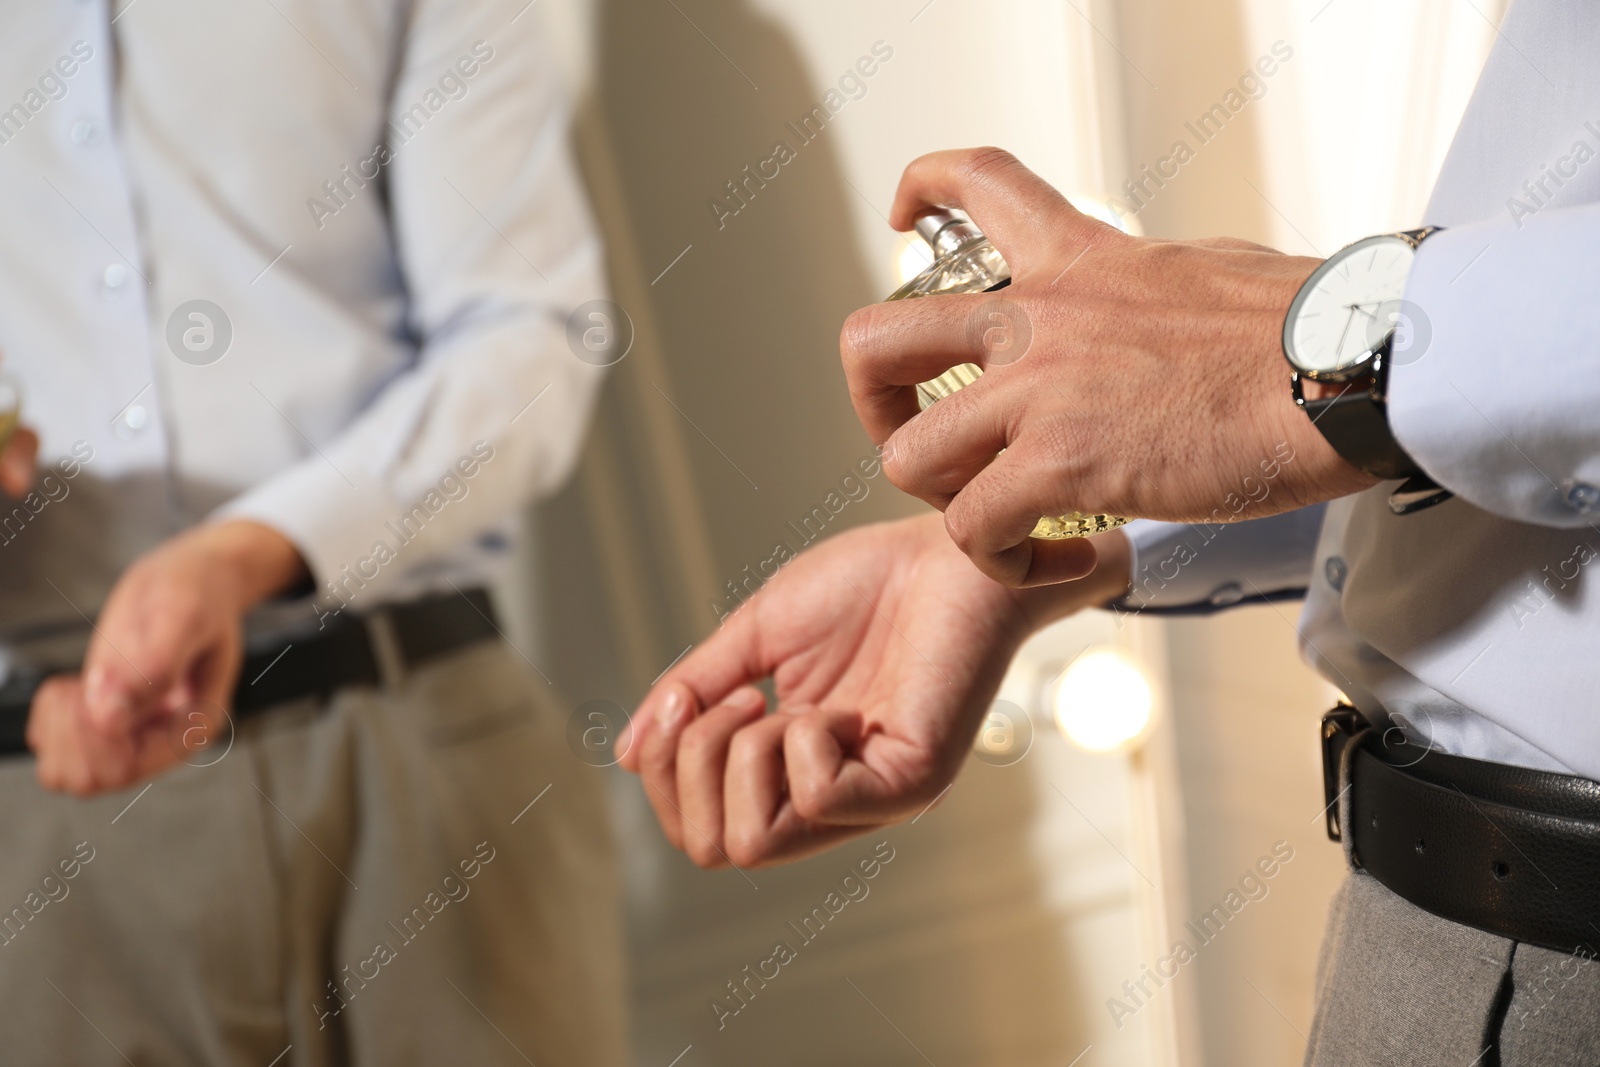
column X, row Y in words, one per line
column 1012, row 915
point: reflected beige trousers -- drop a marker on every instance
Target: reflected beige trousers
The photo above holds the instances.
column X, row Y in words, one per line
column 1398, row 985
column 360, row 882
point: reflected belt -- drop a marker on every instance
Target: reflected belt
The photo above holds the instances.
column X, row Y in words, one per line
column 350, row 650
column 1508, row 850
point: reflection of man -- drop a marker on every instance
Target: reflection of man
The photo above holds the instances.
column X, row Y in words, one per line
column 1156, row 386
column 287, row 285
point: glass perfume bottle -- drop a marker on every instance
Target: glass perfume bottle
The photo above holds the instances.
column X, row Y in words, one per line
column 965, row 262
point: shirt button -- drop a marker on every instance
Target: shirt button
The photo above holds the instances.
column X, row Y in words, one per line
column 114, row 276
column 1335, row 570
column 1226, row 595
column 84, row 131
column 1582, row 497
column 132, row 421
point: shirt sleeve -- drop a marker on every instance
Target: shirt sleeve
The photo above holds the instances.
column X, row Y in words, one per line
column 497, row 248
column 1199, row 568
column 1498, row 394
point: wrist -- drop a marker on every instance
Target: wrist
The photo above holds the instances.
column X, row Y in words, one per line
column 256, row 561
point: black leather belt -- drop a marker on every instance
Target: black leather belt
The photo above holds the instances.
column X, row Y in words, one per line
column 350, row 650
column 1508, row 850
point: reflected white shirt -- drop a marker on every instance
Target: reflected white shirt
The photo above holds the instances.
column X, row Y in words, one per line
column 395, row 322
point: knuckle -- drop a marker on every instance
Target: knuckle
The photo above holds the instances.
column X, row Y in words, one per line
column 983, row 164
column 810, row 800
column 746, row 848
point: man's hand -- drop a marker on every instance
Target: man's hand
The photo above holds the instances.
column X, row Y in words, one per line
column 1154, row 385
column 885, row 647
column 164, row 658
column 17, row 460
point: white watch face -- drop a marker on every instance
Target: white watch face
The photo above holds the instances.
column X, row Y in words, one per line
column 1347, row 307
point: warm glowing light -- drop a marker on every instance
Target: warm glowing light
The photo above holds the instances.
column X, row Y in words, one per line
column 1103, row 701
column 915, row 256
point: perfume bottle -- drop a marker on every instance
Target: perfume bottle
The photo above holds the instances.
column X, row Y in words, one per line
column 10, row 408
column 965, row 262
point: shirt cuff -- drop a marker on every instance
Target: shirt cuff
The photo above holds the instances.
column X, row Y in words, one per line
column 1200, row 568
column 337, row 526
column 1495, row 394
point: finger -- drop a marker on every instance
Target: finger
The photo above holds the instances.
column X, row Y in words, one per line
column 139, row 666
column 702, row 760
column 54, row 737
column 991, row 518
column 830, row 782
column 657, row 757
column 17, row 462
column 887, row 349
column 731, row 657
column 934, row 456
column 761, row 826
column 108, row 755
column 1020, row 212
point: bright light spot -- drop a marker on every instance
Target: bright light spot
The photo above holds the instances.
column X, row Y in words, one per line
column 1103, row 701
column 915, row 256
column 1099, row 209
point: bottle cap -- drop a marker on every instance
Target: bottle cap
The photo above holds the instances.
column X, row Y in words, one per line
column 944, row 228
column 929, row 225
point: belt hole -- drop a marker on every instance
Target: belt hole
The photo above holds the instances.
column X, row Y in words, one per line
column 1374, row 821
column 1500, row 870
column 1422, row 846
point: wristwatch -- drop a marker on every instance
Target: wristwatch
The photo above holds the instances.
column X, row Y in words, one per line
column 1340, row 339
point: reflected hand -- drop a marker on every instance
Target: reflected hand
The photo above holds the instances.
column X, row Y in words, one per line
column 167, row 648
column 1154, row 384
column 885, row 647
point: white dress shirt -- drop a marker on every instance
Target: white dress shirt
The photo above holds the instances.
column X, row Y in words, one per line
column 397, row 314
column 1475, row 624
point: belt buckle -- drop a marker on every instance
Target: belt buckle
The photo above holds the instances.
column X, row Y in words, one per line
column 1340, row 725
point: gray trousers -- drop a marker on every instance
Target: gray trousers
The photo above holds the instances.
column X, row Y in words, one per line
column 1397, row 985
column 359, row 882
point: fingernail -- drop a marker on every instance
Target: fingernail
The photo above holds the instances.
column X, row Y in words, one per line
column 674, row 710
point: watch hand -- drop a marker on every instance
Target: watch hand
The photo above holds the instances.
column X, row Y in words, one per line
column 1338, row 348
column 1365, row 312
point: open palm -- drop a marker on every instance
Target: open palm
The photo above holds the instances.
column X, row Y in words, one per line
column 885, row 646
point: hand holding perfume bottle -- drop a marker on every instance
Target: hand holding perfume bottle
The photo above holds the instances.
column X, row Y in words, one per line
column 964, row 261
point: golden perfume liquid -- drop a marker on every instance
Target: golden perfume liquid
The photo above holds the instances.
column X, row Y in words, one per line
column 965, row 262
